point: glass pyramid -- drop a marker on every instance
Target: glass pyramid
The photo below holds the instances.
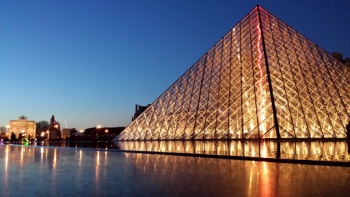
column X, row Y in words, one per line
column 261, row 80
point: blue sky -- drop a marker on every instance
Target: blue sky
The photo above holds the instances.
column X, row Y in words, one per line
column 89, row 62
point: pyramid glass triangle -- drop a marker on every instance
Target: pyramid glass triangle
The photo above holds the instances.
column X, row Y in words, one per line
column 261, row 80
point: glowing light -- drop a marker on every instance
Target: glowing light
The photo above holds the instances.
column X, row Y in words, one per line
column 253, row 152
column 261, row 91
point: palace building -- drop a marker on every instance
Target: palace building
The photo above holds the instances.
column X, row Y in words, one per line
column 22, row 127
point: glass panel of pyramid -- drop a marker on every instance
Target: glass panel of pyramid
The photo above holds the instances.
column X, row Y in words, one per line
column 263, row 79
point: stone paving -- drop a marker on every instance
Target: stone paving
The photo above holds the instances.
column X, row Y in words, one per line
column 53, row 171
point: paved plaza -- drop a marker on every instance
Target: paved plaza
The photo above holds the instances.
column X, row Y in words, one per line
column 49, row 171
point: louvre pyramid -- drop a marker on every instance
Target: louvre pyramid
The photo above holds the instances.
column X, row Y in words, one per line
column 263, row 79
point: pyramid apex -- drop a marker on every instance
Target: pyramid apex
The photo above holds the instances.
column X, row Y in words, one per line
column 259, row 7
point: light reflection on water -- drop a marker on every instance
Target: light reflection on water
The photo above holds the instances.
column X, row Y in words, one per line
column 336, row 150
column 298, row 150
column 79, row 172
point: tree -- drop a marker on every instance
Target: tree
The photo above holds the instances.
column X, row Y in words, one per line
column 73, row 130
column 2, row 130
column 42, row 125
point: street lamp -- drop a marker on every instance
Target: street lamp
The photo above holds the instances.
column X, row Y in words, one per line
column 8, row 127
column 97, row 129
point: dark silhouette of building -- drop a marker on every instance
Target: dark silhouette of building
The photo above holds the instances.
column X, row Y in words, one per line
column 339, row 56
column 97, row 134
column 54, row 130
column 138, row 110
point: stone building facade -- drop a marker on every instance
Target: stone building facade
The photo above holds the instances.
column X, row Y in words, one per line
column 24, row 127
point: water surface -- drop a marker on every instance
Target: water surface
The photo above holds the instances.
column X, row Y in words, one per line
column 54, row 171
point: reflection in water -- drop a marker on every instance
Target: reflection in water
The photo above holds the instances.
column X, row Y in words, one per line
column 73, row 172
column 299, row 150
column 40, row 164
column 227, row 177
column 6, row 175
column 79, row 144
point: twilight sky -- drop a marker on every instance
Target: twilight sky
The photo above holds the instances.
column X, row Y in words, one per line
column 89, row 62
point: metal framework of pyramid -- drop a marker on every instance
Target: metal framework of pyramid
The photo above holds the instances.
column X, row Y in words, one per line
column 261, row 80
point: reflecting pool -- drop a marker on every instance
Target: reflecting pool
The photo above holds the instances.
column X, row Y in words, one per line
column 54, row 171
